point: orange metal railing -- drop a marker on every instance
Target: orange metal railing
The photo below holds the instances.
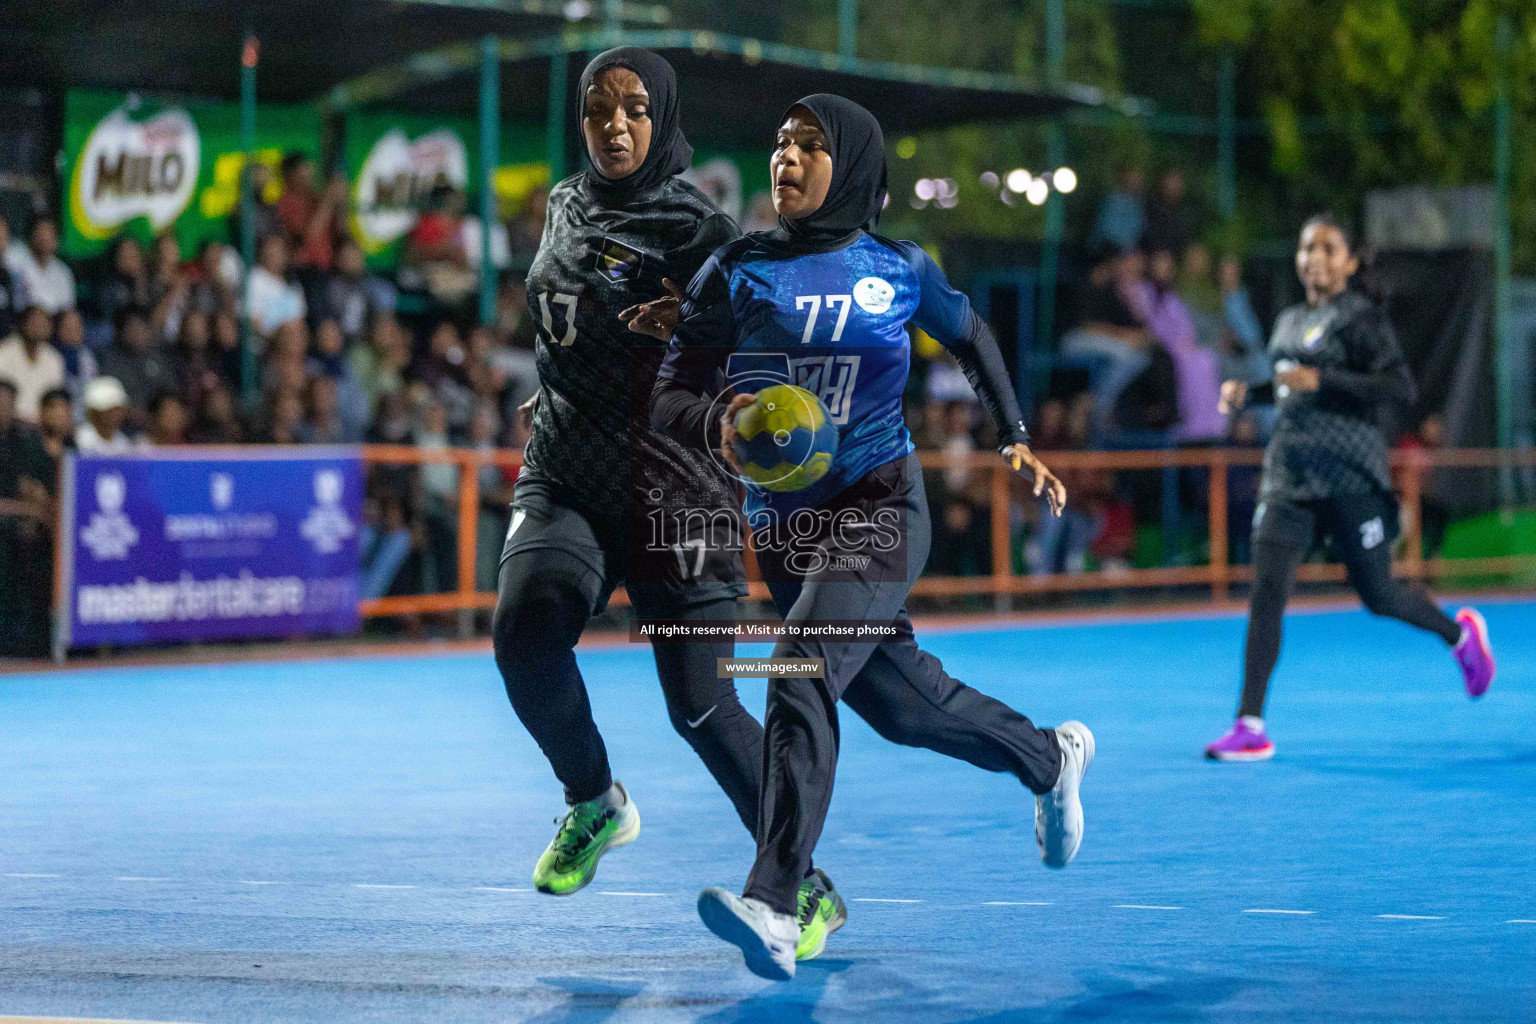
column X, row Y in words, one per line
column 1218, row 574
column 464, row 597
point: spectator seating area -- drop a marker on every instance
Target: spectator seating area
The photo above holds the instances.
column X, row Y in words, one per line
column 143, row 347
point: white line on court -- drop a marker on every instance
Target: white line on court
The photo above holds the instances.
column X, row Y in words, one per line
column 855, row 899
column 1141, row 906
column 71, row 1020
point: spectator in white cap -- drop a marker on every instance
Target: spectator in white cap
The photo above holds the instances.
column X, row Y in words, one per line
column 106, row 407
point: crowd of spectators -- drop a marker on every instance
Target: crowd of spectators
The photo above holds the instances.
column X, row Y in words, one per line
column 1160, row 322
column 143, row 347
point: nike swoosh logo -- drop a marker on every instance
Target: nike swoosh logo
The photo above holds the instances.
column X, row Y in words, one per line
column 517, row 520
column 695, row 725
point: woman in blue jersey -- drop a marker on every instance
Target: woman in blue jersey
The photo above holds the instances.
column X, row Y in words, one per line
column 822, row 302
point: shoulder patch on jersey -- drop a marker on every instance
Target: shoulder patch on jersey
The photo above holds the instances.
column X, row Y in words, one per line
column 873, row 294
column 617, row 261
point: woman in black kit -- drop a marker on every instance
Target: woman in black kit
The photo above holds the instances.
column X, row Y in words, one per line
column 1325, row 474
column 614, row 236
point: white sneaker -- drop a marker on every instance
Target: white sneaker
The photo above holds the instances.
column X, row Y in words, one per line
column 767, row 939
column 1059, row 813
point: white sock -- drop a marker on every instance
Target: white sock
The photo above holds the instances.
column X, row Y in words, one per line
column 614, row 796
column 1252, row 722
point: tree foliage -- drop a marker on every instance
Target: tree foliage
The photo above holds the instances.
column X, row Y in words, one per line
column 1404, row 91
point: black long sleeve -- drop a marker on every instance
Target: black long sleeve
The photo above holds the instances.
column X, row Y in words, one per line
column 1391, row 385
column 683, row 415
column 694, row 367
column 982, row 363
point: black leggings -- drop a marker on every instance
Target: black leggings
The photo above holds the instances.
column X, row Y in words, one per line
column 546, row 596
column 1361, row 529
column 901, row 690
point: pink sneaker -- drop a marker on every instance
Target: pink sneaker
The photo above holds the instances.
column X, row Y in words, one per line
column 1473, row 652
column 1244, row 742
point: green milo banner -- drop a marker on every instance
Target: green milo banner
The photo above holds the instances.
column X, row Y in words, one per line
column 394, row 160
column 142, row 165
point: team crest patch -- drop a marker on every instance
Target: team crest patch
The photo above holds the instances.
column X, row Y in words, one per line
column 1312, row 337
column 618, row 261
column 874, row 295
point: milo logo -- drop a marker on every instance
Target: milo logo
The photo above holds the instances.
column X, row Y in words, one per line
column 395, row 179
column 129, row 169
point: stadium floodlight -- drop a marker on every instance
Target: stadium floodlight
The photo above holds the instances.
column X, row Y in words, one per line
column 907, row 148
column 949, row 200
column 576, row 10
column 946, row 187
column 1064, row 180
column 917, row 204
column 1018, row 180
column 1037, row 192
column 926, row 188
column 989, row 179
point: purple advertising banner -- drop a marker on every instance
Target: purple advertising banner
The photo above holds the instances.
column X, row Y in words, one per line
column 210, row 544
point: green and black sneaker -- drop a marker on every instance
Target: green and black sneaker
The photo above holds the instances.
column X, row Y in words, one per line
column 822, row 912
column 588, row 830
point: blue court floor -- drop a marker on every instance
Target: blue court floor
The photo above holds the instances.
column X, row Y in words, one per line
column 340, row 841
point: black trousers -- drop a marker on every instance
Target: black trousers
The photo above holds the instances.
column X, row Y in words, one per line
column 1361, row 529
column 556, row 573
column 900, row 690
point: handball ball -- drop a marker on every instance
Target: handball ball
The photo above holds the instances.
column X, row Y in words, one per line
column 785, row 439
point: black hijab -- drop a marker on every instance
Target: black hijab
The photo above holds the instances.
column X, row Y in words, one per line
column 669, row 153
column 857, row 193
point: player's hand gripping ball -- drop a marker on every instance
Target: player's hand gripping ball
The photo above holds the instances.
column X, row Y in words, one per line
column 785, row 439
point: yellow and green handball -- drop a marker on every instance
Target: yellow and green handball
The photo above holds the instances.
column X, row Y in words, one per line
column 786, row 439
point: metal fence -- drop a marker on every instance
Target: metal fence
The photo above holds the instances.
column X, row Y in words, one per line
column 1216, row 576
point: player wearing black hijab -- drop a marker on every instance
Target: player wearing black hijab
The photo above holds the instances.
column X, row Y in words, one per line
column 595, row 471
column 756, row 305
column 1337, row 363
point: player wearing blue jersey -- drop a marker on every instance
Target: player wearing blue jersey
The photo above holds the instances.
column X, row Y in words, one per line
column 823, row 303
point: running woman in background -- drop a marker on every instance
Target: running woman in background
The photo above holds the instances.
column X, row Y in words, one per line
column 1337, row 363
column 613, row 235
column 753, row 305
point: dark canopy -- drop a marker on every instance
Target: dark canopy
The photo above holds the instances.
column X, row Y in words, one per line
column 730, row 101
column 423, row 55
column 192, row 47
column 429, row 49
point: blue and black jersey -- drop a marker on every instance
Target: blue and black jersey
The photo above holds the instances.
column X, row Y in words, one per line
column 834, row 323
